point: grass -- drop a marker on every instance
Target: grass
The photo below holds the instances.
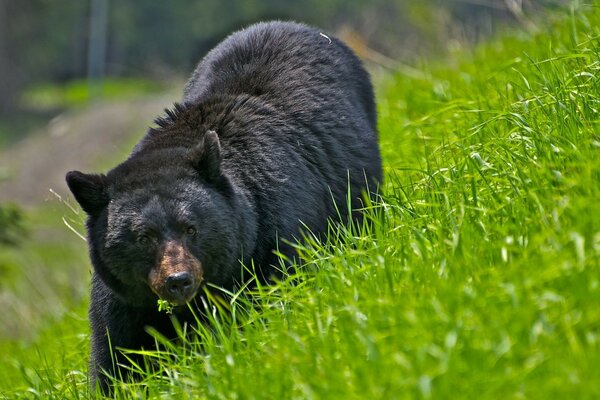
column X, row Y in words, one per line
column 479, row 276
column 80, row 92
column 43, row 291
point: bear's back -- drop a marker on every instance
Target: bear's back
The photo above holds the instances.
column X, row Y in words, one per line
column 292, row 66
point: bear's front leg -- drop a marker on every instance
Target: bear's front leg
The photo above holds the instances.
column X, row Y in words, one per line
column 114, row 325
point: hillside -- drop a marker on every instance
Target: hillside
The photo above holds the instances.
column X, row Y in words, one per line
column 80, row 139
column 478, row 277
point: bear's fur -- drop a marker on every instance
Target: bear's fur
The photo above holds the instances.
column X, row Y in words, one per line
column 276, row 129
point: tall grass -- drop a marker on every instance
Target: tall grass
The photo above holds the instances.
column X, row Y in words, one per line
column 478, row 275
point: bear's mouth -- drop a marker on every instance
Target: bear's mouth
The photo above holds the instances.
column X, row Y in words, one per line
column 177, row 276
column 177, row 289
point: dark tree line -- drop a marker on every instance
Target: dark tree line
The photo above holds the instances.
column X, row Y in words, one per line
column 48, row 40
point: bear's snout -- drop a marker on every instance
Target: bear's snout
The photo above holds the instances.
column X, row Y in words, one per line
column 177, row 276
column 180, row 285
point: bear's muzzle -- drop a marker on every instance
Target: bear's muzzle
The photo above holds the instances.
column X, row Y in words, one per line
column 177, row 276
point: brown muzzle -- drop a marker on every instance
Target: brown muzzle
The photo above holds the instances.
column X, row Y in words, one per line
column 177, row 276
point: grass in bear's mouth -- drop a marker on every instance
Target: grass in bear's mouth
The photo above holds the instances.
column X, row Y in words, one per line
column 479, row 276
column 166, row 306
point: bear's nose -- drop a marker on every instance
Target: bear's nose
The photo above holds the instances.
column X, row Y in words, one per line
column 180, row 285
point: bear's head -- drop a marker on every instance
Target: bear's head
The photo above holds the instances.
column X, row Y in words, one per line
column 161, row 223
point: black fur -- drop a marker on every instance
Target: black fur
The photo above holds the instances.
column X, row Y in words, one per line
column 275, row 123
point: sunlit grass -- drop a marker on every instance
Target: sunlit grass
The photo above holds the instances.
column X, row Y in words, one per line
column 478, row 275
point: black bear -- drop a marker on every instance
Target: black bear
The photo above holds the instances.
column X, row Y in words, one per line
column 276, row 134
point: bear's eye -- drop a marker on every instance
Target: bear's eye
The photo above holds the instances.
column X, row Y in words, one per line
column 143, row 239
column 191, row 230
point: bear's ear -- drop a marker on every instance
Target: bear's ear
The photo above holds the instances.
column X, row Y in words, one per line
column 89, row 191
column 206, row 157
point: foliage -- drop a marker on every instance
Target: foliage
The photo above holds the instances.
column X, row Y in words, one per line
column 11, row 224
column 43, row 41
column 77, row 93
column 477, row 276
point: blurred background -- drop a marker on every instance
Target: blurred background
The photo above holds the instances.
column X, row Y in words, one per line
column 46, row 46
column 80, row 82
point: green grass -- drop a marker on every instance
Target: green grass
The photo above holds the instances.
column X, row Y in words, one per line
column 479, row 276
column 80, row 92
column 43, row 292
